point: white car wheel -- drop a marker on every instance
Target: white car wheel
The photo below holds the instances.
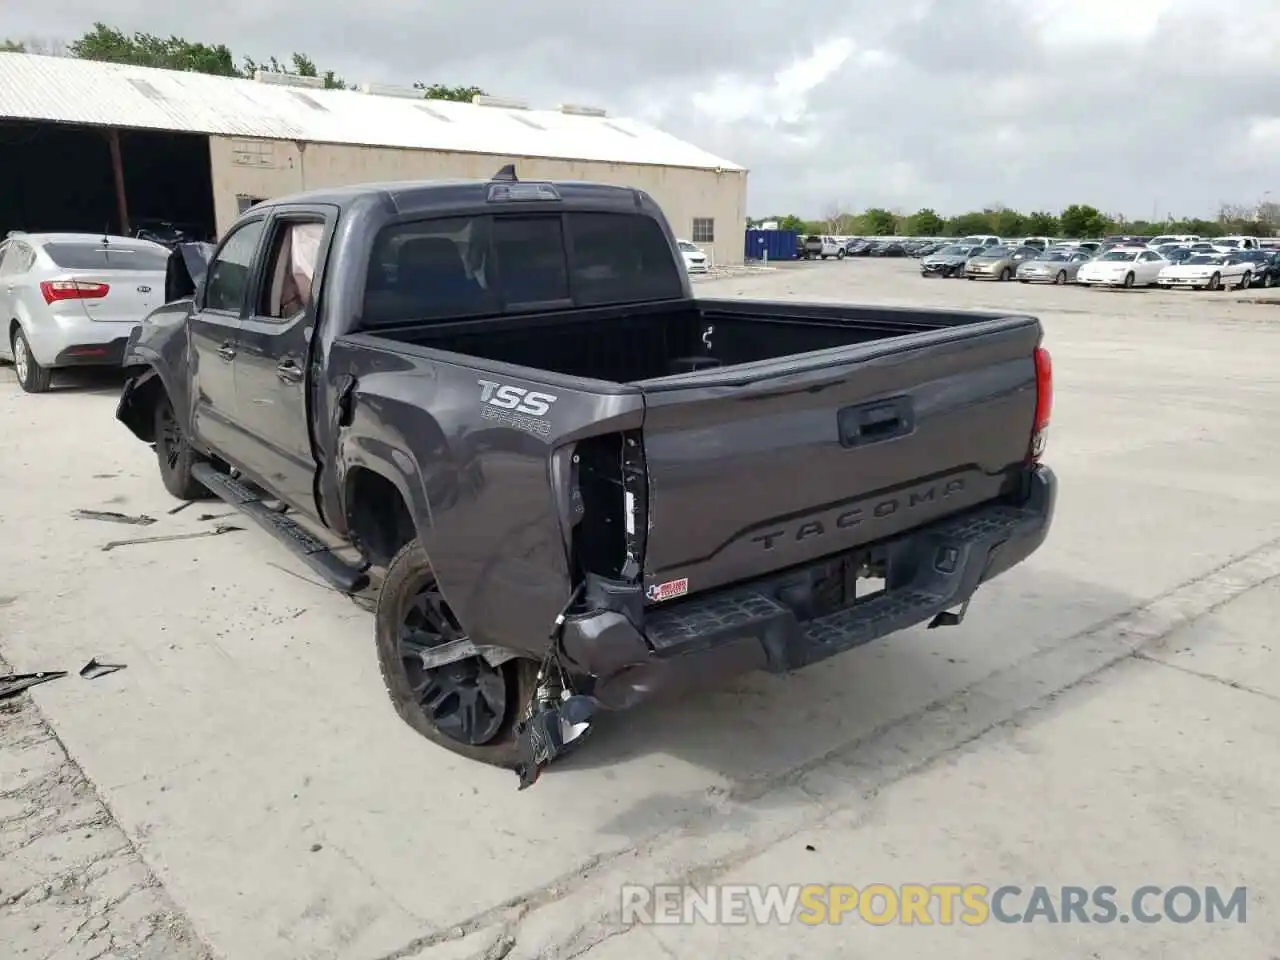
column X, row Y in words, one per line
column 32, row 377
column 21, row 358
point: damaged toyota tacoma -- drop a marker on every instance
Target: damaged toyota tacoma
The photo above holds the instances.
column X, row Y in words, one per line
column 575, row 484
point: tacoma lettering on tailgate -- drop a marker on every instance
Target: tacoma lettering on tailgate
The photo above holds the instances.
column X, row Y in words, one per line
column 878, row 509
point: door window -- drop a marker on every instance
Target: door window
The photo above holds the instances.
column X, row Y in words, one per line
column 228, row 276
column 287, row 288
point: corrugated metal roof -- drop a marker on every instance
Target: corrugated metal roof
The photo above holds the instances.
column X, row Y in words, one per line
column 67, row 90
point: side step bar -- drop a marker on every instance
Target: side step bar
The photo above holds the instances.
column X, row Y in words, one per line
column 317, row 555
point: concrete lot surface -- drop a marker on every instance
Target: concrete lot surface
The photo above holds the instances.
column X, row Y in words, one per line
column 1105, row 715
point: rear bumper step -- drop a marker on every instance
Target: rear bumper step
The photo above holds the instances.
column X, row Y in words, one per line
column 931, row 569
column 314, row 553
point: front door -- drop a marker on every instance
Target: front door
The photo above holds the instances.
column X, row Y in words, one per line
column 214, row 334
column 274, row 354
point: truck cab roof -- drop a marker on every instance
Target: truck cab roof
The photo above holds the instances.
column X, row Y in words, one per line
column 427, row 197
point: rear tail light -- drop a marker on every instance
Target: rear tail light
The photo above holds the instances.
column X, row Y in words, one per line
column 1044, row 403
column 54, row 290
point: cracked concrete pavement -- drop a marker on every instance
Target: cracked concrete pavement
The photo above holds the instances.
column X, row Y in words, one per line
column 72, row 886
column 249, row 757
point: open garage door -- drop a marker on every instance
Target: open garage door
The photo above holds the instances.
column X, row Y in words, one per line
column 60, row 177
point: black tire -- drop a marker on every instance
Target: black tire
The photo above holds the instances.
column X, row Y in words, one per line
column 1215, row 282
column 839, row 254
column 1266, row 281
column 408, row 576
column 32, row 377
column 1061, row 278
column 1128, row 281
column 1006, row 275
column 1246, row 281
column 175, row 455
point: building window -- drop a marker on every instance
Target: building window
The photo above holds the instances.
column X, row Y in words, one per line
column 704, row 230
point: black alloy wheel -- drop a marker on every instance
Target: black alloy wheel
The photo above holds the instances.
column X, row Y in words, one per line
column 468, row 707
column 465, row 700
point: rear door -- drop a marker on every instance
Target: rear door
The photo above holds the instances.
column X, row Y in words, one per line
column 778, row 463
column 273, row 354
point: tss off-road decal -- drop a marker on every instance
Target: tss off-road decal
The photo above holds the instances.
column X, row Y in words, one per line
column 516, row 407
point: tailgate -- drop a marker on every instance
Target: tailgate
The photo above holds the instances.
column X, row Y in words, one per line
column 756, row 468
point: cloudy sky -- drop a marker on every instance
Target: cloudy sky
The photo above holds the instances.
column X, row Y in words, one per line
column 1171, row 106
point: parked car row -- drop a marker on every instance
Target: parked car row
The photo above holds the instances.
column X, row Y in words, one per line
column 1119, row 262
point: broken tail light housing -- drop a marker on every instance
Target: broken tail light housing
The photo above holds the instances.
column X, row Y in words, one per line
column 55, row 290
column 1044, row 404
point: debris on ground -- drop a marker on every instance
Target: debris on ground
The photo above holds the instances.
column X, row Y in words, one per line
column 180, row 507
column 14, row 683
column 216, row 516
column 111, row 516
column 216, row 531
column 93, row 669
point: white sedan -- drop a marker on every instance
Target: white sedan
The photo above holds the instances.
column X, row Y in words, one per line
column 695, row 261
column 1123, row 267
column 1208, row 271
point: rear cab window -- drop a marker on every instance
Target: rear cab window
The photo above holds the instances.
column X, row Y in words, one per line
column 96, row 256
column 455, row 267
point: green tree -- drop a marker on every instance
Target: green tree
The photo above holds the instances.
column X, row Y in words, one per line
column 148, row 50
column 967, row 224
column 924, row 223
column 1006, row 222
column 12, row 46
column 1081, row 220
column 1041, row 224
column 438, row 91
column 790, row 222
column 878, row 222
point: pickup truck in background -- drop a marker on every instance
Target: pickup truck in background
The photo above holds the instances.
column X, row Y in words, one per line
column 577, row 484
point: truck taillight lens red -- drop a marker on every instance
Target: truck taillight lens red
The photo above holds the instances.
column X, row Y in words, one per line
column 1044, row 403
column 55, row 290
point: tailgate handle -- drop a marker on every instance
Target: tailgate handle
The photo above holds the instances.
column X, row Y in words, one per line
column 874, row 422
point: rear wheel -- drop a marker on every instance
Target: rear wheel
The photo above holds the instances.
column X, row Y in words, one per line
column 839, row 254
column 1006, row 274
column 175, row 455
column 32, row 377
column 1061, row 278
column 1128, row 281
column 467, row 707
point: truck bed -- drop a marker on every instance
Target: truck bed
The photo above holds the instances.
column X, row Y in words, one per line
column 774, row 434
column 644, row 342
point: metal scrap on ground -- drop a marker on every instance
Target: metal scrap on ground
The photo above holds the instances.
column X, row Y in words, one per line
column 93, row 669
column 113, row 516
column 15, row 683
column 216, row 531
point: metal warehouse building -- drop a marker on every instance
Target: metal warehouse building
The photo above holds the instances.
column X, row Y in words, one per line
column 103, row 146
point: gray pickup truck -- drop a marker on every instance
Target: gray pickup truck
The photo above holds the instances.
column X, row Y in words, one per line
column 575, row 483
